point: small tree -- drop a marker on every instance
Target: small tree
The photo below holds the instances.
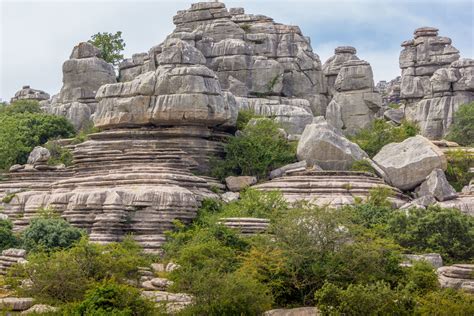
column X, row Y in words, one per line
column 110, row 44
column 462, row 130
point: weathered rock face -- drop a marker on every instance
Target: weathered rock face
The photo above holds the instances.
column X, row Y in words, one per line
column 457, row 276
column 333, row 65
column 408, row 163
column 26, row 93
column 246, row 225
column 39, row 155
column 299, row 311
column 236, row 184
column 83, row 74
column 432, row 258
column 355, row 102
column 334, row 188
column 434, row 81
column 438, row 186
column 324, row 146
column 10, row 257
column 252, row 56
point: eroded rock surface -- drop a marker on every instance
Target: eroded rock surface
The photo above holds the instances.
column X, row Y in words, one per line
column 457, row 276
column 27, row 93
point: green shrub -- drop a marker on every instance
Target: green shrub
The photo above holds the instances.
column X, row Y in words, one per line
column 462, row 129
column 421, row 278
column 59, row 154
column 381, row 133
column 111, row 298
column 7, row 238
column 357, row 299
column 445, row 231
column 50, row 232
column 66, row 275
column 258, row 150
column 23, row 126
column 445, row 303
column 84, row 133
column 244, row 117
column 459, row 164
column 362, row 165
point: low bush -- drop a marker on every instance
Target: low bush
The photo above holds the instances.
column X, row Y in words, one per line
column 362, row 165
column 7, row 238
column 66, row 275
column 244, row 117
column 49, row 232
column 259, row 149
column 462, row 129
column 458, row 171
column 23, row 126
column 59, row 154
column 111, row 298
column 445, row 231
column 381, row 133
column 445, row 302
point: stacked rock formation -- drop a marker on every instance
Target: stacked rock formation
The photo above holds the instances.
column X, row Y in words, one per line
column 83, row 74
column 269, row 67
column 434, row 81
column 334, row 188
column 457, row 276
column 246, row 225
column 350, row 87
column 11, row 257
column 26, row 93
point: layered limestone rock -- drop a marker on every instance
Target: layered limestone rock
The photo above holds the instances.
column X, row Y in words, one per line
column 457, row 276
column 83, row 74
column 246, row 225
column 355, row 103
column 438, row 186
column 334, row 188
column 10, row 257
column 434, row 82
column 270, row 67
column 26, row 93
column 333, row 65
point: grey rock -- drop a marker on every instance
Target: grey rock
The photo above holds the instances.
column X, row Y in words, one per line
column 299, row 311
column 39, row 155
column 27, row 93
column 84, row 50
column 40, row 309
column 323, row 145
column 158, row 267
column 438, row 186
column 394, row 115
column 457, row 276
column 421, row 202
column 16, row 304
column 287, row 169
column 236, row 184
column 230, row 196
column 432, row 258
column 408, row 163
column 16, row 168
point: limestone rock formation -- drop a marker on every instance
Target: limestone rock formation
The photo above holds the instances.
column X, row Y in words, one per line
column 324, row 146
column 334, row 188
column 267, row 65
column 83, row 74
column 288, row 169
column 333, row 65
column 432, row 258
column 435, row 82
column 16, row 304
column 457, row 276
column 26, row 93
column 10, row 257
column 437, row 185
column 355, row 103
column 40, row 309
column 407, row 164
column 299, row 311
column 39, row 155
column 246, row 225
column 236, row 184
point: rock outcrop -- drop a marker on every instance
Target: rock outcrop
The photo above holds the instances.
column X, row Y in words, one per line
column 323, row 145
column 333, row 65
column 333, row 188
column 299, row 311
column 11, row 257
column 246, row 225
column 407, row 164
column 457, row 276
column 236, row 184
column 435, row 82
column 438, row 186
column 27, row 93
column 83, row 74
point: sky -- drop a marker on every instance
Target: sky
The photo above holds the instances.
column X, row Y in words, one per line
column 37, row 36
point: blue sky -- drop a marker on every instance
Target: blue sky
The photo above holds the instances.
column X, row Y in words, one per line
column 36, row 37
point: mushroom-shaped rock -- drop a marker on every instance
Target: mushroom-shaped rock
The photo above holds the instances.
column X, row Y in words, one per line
column 407, row 164
column 26, row 93
column 322, row 145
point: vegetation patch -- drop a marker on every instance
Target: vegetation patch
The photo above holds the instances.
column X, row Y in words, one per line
column 459, row 164
column 462, row 129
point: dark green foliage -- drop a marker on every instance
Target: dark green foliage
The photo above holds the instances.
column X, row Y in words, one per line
column 244, row 117
column 7, row 238
column 459, row 164
column 59, row 154
column 50, row 232
column 372, row 139
column 111, row 46
column 111, row 298
column 258, row 150
column 445, row 231
column 23, row 126
column 362, row 300
column 66, row 275
column 446, row 303
column 462, row 129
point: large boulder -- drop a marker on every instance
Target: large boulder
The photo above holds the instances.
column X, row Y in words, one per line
column 437, row 185
column 299, row 311
column 457, row 276
column 323, row 145
column 39, row 155
column 407, row 164
column 27, row 93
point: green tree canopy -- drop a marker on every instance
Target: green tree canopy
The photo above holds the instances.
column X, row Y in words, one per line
column 110, row 44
